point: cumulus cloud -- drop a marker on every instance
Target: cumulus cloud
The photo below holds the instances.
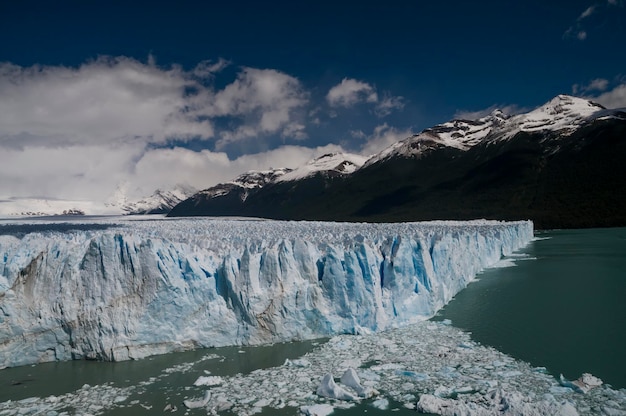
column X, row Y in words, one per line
column 588, row 12
column 598, row 84
column 388, row 104
column 350, row 92
column 75, row 172
column 77, row 133
column 615, row 98
column 122, row 100
column 267, row 100
column 203, row 169
column 579, row 28
column 93, row 173
column 109, row 99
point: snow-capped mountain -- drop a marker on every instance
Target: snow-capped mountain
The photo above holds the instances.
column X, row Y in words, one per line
column 236, row 192
column 331, row 163
column 560, row 164
column 245, row 182
column 563, row 115
column 160, row 202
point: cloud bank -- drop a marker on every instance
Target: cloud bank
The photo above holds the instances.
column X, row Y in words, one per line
column 77, row 133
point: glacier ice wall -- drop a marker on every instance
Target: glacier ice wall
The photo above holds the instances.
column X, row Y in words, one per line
column 138, row 288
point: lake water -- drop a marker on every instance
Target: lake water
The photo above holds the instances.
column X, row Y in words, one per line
column 564, row 308
column 560, row 306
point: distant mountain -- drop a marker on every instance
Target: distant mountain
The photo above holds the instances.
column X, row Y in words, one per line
column 160, row 202
column 561, row 165
column 231, row 198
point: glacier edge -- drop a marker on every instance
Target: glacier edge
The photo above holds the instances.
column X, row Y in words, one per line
column 139, row 288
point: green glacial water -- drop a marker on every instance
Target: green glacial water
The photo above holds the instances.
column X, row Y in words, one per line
column 563, row 308
column 561, row 305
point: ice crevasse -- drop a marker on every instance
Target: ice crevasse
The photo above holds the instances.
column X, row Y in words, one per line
column 129, row 289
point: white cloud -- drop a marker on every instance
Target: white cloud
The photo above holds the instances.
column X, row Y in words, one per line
column 588, row 12
column 388, row 104
column 382, row 137
column 265, row 100
column 598, row 84
column 358, row 134
column 207, row 69
column 203, row 169
column 615, row 98
column 109, row 99
column 78, row 133
column 350, row 92
column 75, row 172
column 93, row 173
column 582, row 35
column 123, row 100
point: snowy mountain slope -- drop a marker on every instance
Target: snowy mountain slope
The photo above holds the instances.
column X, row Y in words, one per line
column 234, row 194
column 116, row 290
column 160, row 202
column 244, row 183
column 563, row 115
column 331, row 163
column 560, row 165
column 23, row 207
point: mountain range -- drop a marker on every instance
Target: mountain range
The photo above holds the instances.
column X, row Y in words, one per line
column 561, row 165
column 161, row 201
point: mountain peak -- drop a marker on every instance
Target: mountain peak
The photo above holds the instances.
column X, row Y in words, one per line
column 338, row 162
column 563, row 103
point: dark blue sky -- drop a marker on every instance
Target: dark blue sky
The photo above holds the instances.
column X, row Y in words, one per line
column 442, row 56
column 427, row 61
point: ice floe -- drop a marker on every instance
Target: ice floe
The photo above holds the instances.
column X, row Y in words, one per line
column 426, row 366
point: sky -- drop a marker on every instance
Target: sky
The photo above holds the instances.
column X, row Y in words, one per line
column 98, row 98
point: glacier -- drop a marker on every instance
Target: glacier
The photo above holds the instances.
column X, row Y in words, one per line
column 119, row 289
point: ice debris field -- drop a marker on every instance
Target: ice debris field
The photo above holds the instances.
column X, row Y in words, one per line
column 122, row 289
column 425, row 366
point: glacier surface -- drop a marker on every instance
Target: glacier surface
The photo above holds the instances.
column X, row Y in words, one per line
column 114, row 289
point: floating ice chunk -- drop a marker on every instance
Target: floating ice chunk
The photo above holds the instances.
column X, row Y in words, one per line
column 351, row 379
column 504, row 263
column 262, row 403
column 298, row 362
column 584, row 384
column 560, row 390
column 382, row 404
column 567, row 409
column 433, row 404
column 317, row 410
column 507, row 374
column 196, row 404
column 208, row 381
column 328, row 388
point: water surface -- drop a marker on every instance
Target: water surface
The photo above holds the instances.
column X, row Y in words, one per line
column 564, row 307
